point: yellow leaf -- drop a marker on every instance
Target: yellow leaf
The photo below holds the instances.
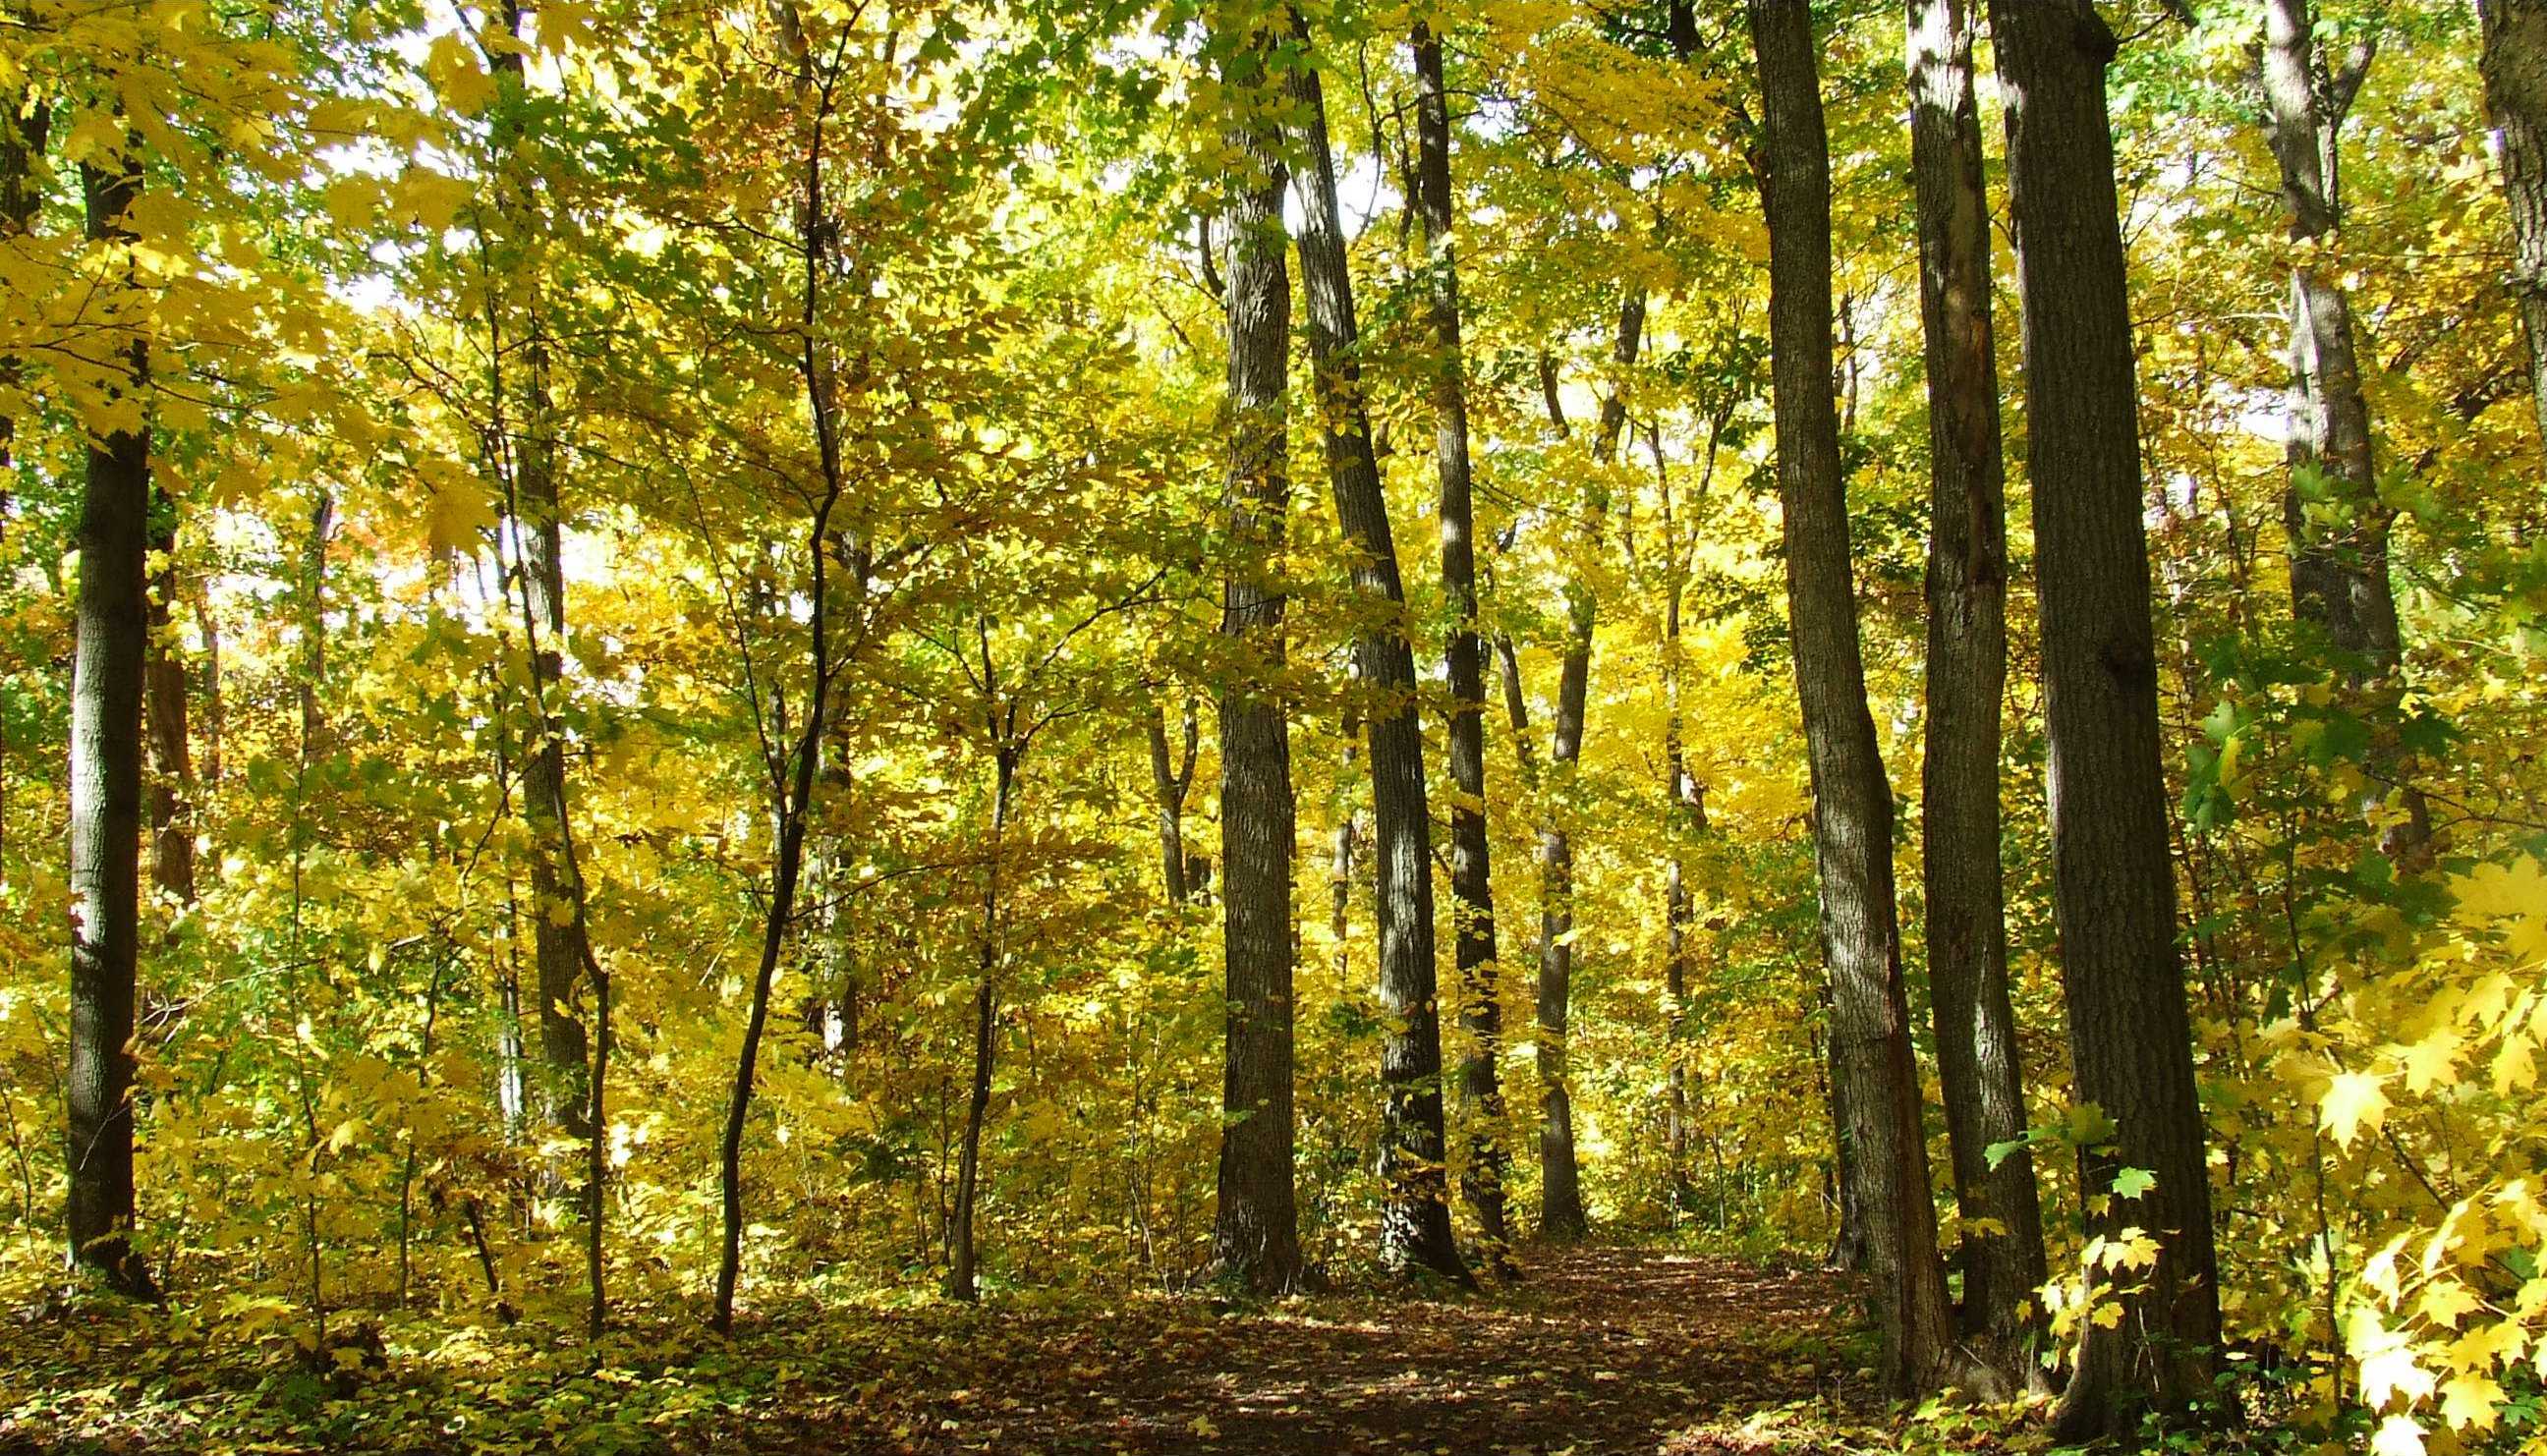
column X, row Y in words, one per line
column 2354, row 1103
column 2469, row 1400
column 2399, row 1436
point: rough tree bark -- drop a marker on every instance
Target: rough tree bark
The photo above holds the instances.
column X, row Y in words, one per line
column 1561, row 1213
column 1256, row 1238
column 2514, row 65
column 110, row 647
column 2130, row 1041
column 1977, row 1063
column 1852, row 802
column 1415, row 1216
column 2338, row 529
column 1471, row 879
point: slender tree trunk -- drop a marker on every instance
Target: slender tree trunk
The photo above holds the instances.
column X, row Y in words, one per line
column 1561, row 1214
column 111, row 647
column 1173, row 777
column 2131, row 1044
column 1683, row 811
column 1255, row 1233
column 313, row 627
column 2515, row 95
column 1415, row 1216
column 560, row 942
column 215, row 717
column 1978, row 1061
column 1471, row 878
column 794, row 771
column 1852, row 802
column 960, row 1277
column 172, row 787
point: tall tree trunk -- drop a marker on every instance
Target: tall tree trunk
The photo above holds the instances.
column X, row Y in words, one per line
column 560, row 943
column 111, row 645
column 2338, row 529
column 172, row 787
column 960, row 1275
column 1978, row 1061
column 1256, row 1233
column 2515, row 95
column 794, row 768
column 1471, row 878
column 1683, row 811
column 1415, row 1215
column 2131, row 1045
column 1172, row 776
column 1852, row 802
column 1561, row 1212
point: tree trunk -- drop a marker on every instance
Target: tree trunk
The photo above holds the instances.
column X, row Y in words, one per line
column 2515, row 95
column 1683, row 811
column 960, row 1277
column 2130, row 1042
column 1173, row 777
column 111, row 645
column 1415, row 1216
column 1561, row 1213
column 1852, row 802
column 172, row 787
column 1256, row 1233
column 2338, row 529
column 1978, row 1061
column 560, row 945
column 1471, row 879
column 794, row 769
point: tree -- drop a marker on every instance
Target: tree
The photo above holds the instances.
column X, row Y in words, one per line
column 527, row 438
column 1978, row 1061
column 2131, row 1044
column 1852, row 802
column 2515, row 94
column 1172, row 779
column 112, row 636
column 1561, row 1214
column 1465, row 661
column 1256, row 1235
column 1415, row 1221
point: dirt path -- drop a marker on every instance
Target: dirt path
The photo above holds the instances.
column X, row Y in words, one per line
column 1602, row 1351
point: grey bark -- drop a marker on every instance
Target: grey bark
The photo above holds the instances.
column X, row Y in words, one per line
column 2131, row 1043
column 1562, row 1214
column 2338, row 529
column 2514, row 65
column 1415, row 1216
column 1256, row 1237
column 1471, row 878
column 1980, row 1069
column 110, row 647
column 1851, row 801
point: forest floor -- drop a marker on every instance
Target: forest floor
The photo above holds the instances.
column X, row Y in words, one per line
column 1598, row 1352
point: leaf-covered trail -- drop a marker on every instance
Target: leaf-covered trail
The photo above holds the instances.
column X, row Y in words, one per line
column 1601, row 1351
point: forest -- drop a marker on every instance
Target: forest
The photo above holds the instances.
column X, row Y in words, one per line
column 1504, row 727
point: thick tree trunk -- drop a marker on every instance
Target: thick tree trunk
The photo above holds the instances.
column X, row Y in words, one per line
column 1256, row 1237
column 1852, row 802
column 111, row 645
column 1415, row 1216
column 1471, row 881
column 2130, row 1042
column 2338, row 527
column 1978, row 1061
column 2515, row 95
column 1561, row 1214
column 1172, row 776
